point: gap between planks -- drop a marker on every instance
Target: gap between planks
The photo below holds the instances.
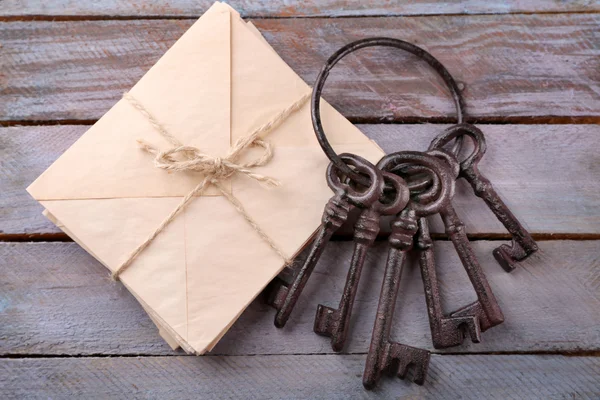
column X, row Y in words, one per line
column 487, row 120
column 91, row 17
column 540, row 237
column 567, row 353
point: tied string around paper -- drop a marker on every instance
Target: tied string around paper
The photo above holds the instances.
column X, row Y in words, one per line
column 181, row 158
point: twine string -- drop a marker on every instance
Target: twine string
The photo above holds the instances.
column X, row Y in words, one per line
column 181, row 158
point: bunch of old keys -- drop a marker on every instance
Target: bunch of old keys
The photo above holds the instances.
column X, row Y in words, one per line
column 410, row 186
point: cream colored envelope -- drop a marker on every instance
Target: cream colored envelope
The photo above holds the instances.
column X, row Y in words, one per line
column 219, row 81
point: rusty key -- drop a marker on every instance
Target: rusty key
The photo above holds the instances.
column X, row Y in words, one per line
column 346, row 197
column 522, row 245
column 448, row 331
column 486, row 308
column 332, row 322
column 385, row 355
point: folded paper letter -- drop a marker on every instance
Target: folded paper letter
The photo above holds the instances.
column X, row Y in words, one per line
column 219, row 82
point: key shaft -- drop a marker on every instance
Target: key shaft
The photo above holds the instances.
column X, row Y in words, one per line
column 334, row 322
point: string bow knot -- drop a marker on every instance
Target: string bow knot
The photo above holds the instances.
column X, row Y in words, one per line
column 189, row 158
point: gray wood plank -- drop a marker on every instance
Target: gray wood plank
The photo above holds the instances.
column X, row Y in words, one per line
column 513, row 67
column 280, row 8
column 547, row 174
column 26, row 152
column 297, row 377
column 56, row 299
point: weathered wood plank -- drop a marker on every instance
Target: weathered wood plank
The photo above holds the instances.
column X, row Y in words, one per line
column 24, row 154
column 297, row 377
column 512, row 66
column 56, row 299
column 280, row 8
column 538, row 169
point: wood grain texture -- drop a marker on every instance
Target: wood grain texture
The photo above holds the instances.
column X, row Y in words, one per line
column 281, row 8
column 513, row 67
column 57, row 300
column 297, row 377
column 547, row 174
column 24, row 154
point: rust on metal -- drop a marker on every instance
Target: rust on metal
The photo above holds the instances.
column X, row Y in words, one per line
column 522, row 245
column 412, row 186
column 332, row 322
column 346, row 197
column 385, row 355
column 448, row 331
column 437, row 66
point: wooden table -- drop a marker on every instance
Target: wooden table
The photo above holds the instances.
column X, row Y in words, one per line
column 530, row 72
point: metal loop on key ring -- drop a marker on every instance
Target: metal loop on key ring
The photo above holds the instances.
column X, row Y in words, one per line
column 371, row 42
column 370, row 173
column 446, row 186
column 399, row 200
column 458, row 131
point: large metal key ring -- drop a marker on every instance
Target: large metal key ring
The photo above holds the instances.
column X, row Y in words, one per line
column 371, row 42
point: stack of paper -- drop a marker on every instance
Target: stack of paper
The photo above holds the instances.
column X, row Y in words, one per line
column 220, row 81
